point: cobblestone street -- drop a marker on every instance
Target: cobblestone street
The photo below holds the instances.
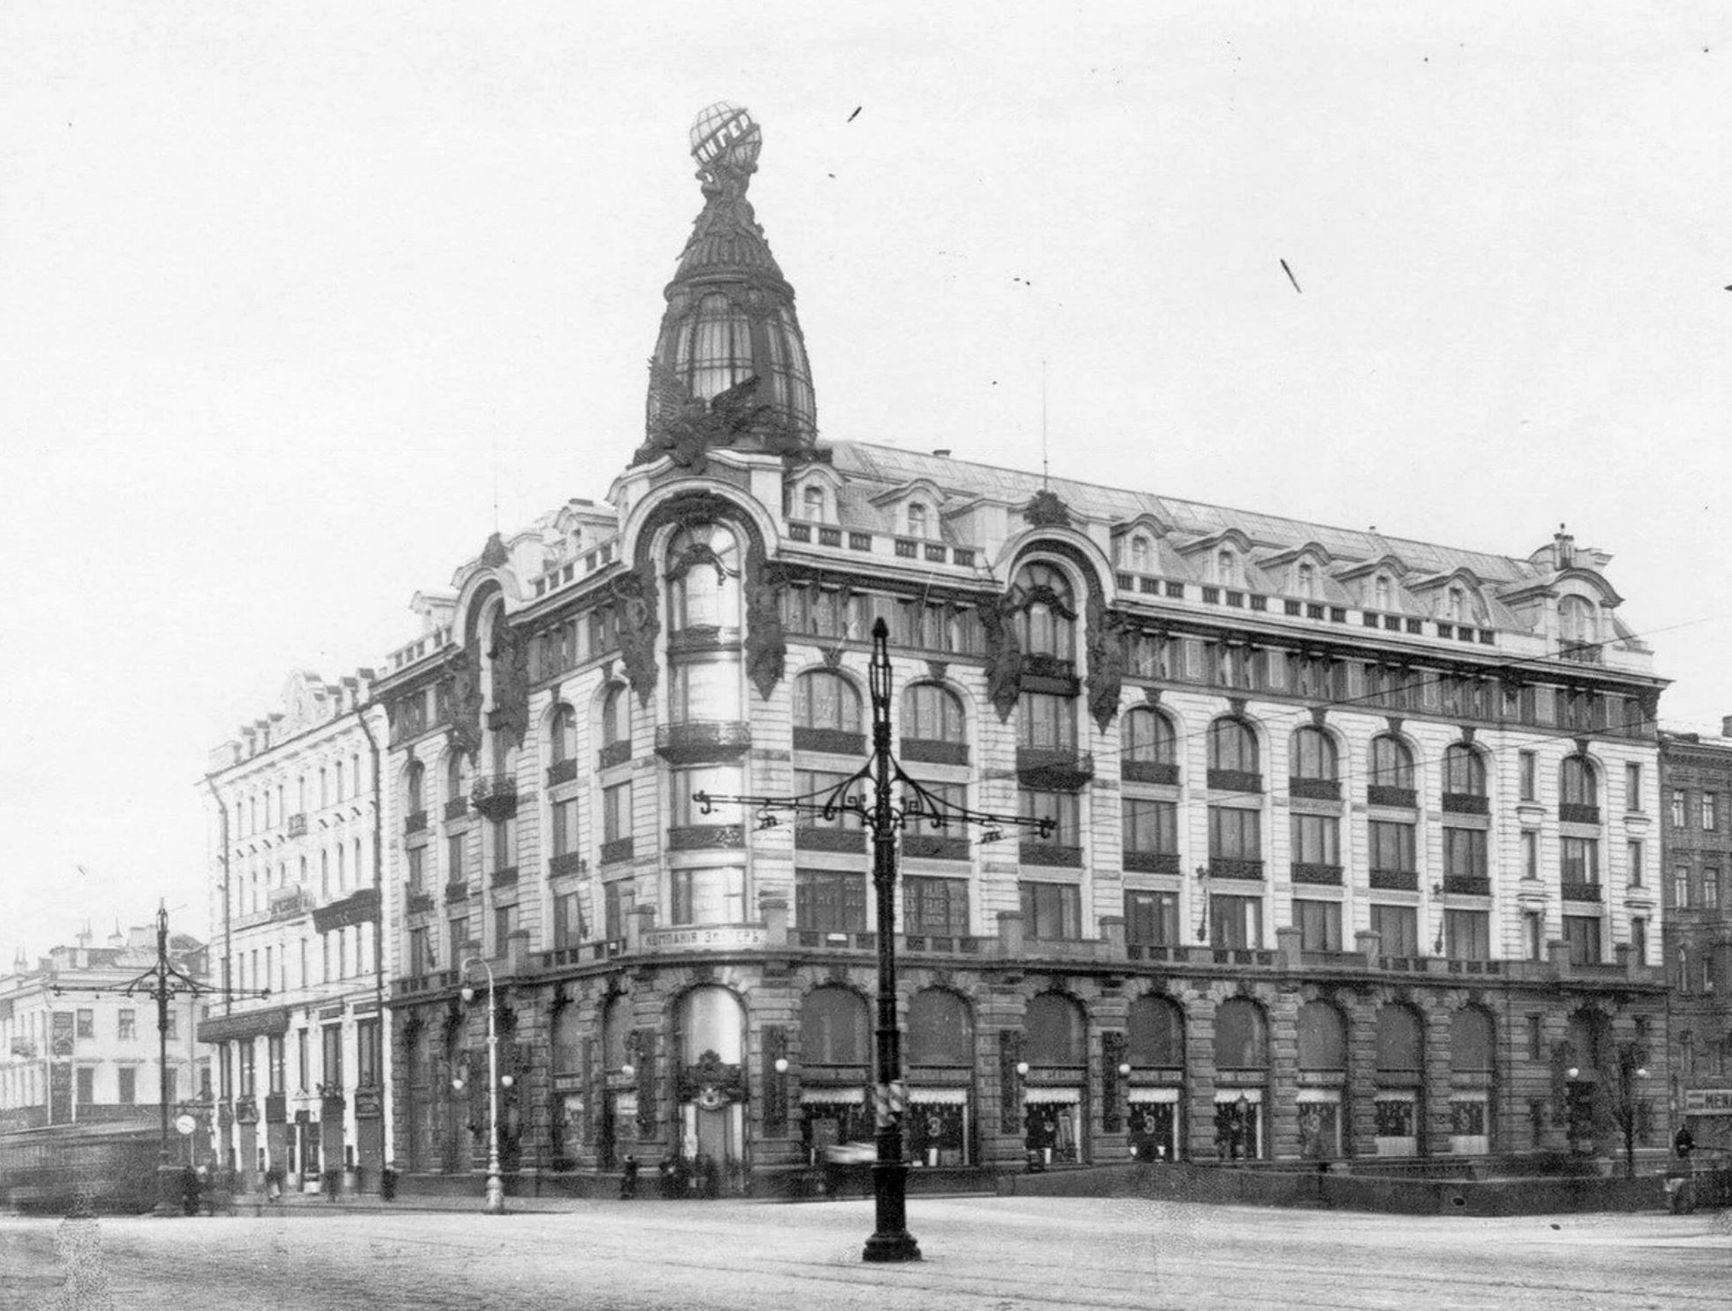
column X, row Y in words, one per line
column 981, row 1253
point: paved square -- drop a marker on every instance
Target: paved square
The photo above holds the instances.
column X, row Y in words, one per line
column 983, row 1255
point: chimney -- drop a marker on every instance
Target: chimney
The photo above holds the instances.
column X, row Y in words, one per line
column 1563, row 549
column 942, row 452
column 1726, row 725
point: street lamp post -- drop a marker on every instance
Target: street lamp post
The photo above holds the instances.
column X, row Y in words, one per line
column 495, row 1203
column 1631, row 1073
column 886, row 817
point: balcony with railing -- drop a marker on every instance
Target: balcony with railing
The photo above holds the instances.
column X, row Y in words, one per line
column 1148, row 771
column 1151, row 862
column 1032, row 852
column 1465, row 803
column 1314, row 789
column 829, row 741
column 707, row 837
column 821, row 837
column 702, row 741
column 1381, row 794
column 1395, row 880
column 1571, row 812
column 1054, row 769
column 1581, row 890
column 561, row 771
column 1316, row 873
column 415, row 822
column 614, row 753
column 616, row 850
column 1234, row 867
column 1467, row 885
column 1235, row 780
column 935, row 846
column 456, row 808
column 933, row 751
column 495, row 796
column 566, row 862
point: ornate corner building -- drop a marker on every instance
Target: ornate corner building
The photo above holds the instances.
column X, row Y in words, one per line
column 1355, row 835
column 1696, row 788
column 298, row 1044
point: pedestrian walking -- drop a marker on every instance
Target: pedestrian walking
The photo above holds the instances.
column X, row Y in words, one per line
column 1683, row 1143
column 628, row 1178
column 665, row 1177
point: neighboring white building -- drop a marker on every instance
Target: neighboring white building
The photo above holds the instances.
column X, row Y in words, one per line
column 296, row 837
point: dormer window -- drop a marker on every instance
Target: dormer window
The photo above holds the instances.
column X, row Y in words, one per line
column 812, row 503
column 917, row 520
column 1307, row 581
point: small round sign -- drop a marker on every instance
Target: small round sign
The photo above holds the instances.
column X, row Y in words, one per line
column 185, row 1124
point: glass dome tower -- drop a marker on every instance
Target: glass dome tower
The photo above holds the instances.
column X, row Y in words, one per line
column 730, row 362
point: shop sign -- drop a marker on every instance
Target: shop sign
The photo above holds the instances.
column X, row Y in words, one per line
column 1708, row 1101
column 719, row 938
column 368, row 1104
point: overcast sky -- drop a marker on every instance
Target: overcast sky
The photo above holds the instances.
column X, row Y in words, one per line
column 286, row 291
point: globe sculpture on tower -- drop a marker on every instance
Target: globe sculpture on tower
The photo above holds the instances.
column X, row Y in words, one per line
column 729, row 368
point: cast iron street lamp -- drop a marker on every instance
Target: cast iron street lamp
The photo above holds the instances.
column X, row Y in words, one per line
column 885, row 817
column 161, row 983
column 495, row 1203
column 1631, row 1072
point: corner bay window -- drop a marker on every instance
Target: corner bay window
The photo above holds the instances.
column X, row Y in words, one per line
column 1046, row 720
column 707, row 896
column 1051, row 910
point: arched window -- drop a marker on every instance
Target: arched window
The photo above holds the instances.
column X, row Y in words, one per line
column 1226, row 569
column 1053, row 1031
column 457, row 773
column 833, row 1028
column 718, row 353
column 932, row 713
column 1578, row 782
column 1391, row 763
column 1312, row 755
column 940, row 1029
column 1463, row 771
column 1578, row 621
column 615, row 716
column 1148, row 737
column 1232, row 746
column 568, row 1035
column 415, row 786
column 1139, row 554
column 562, row 734
column 826, row 700
column 812, row 502
column 1400, row 1045
column 1306, row 584
column 703, row 578
column 1456, row 604
column 917, row 522
column 1381, row 592
column 1471, row 1041
column 711, row 1019
column 1322, row 1038
column 1046, row 623
column 1241, row 1036
column 1155, row 1034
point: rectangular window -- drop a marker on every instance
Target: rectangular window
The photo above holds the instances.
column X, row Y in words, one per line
column 459, row 929
column 1464, row 853
column 1681, row 887
column 1051, row 910
column 1235, row 834
column 829, row 901
column 1151, row 827
column 1581, row 860
column 454, row 858
column 1392, row 848
column 368, row 1071
column 680, row 896
column 417, row 859
column 276, row 1062
column 1046, row 720
column 86, row 1085
column 613, row 911
column 1236, row 922
column 332, row 1068
column 953, row 796
column 1710, row 887
column 1678, row 808
column 1319, row 924
column 1710, row 811
column 420, row 952
column 86, row 1024
column 1529, row 774
column 616, row 812
column 1536, row 1037
column 1467, row 934
column 935, row 906
column 1152, row 919
column 1533, row 934
column 303, row 1060
column 817, row 785
column 568, row 927
column 1530, row 854
column 1633, row 785
column 1398, row 927
column 1582, row 932
column 1633, row 854
column 1316, row 840
column 564, row 827
column 127, row 1025
column 248, row 1052
column 1060, row 807
column 504, row 925
column 128, row 1085
column 171, row 1090
column 1639, row 939
column 504, row 835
